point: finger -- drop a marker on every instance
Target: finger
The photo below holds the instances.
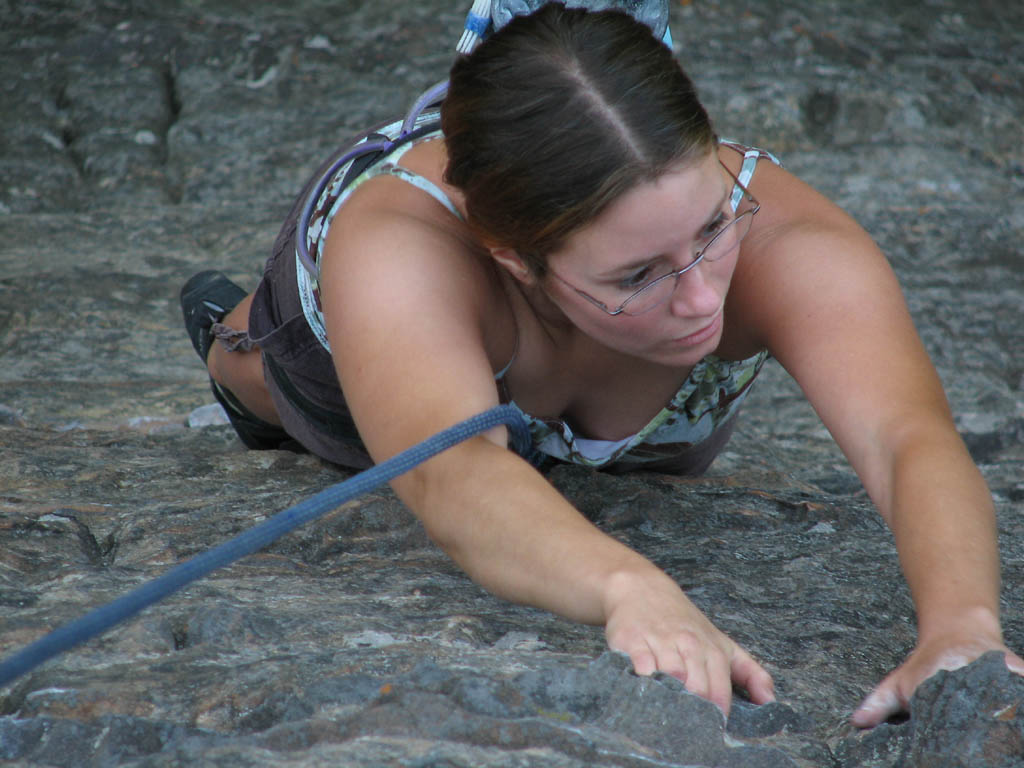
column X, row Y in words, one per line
column 666, row 661
column 638, row 650
column 696, row 678
column 719, row 681
column 643, row 660
column 752, row 677
column 1014, row 663
column 881, row 704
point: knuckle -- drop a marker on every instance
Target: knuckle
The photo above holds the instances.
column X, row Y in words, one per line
column 675, row 668
column 699, row 687
column 718, row 659
column 688, row 643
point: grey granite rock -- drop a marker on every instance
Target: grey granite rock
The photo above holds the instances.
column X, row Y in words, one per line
column 145, row 140
column 961, row 719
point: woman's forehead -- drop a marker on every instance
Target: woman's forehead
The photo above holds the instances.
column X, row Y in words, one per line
column 665, row 213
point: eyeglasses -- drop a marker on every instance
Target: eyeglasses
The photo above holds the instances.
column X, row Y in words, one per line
column 659, row 290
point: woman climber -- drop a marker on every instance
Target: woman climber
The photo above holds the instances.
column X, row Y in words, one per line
column 566, row 233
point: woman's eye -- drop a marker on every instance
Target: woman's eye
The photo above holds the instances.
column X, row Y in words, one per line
column 721, row 222
column 636, row 279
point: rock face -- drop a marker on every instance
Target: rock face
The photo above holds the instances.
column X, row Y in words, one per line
column 965, row 718
column 142, row 141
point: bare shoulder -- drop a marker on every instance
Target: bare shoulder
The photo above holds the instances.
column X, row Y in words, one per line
column 804, row 258
column 786, row 200
column 415, row 315
column 394, row 248
column 813, row 288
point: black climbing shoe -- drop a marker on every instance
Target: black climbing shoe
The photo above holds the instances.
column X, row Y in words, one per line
column 205, row 299
column 254, row 432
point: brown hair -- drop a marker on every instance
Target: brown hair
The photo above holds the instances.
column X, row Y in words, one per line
column 558, row 114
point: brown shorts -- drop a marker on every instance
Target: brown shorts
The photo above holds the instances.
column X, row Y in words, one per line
column 299, row 372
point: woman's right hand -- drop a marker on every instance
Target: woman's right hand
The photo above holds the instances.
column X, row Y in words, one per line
column 649, row 618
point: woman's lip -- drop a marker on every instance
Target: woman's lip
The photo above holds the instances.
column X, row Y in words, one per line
column 703, row 334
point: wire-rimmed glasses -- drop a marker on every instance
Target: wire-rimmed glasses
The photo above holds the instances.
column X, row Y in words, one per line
column 658, row 291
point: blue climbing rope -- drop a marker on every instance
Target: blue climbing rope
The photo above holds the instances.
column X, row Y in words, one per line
column 103, row 618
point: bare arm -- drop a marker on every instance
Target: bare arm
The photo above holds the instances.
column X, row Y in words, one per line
column 831, row 311
column 407, row 334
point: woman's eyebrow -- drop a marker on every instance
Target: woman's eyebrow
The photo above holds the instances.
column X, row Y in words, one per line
column 622, row 269
column 644, row 261
column 714, row 213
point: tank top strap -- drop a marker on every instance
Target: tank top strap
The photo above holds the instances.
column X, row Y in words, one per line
column 750, row 157
column 390, row 167
column 420, row 182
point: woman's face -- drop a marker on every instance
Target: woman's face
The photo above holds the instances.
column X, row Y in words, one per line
column 650, row 231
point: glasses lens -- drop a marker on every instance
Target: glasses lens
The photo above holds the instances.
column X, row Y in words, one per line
column 726, row 241
column 650, row 296
column 722, row 244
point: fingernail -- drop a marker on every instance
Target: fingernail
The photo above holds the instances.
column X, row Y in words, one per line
column 1015, row 667
column 863, row 717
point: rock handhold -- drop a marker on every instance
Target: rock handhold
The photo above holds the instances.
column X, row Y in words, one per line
column 971, row 717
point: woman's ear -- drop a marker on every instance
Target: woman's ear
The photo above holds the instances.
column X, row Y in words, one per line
column 514, row 264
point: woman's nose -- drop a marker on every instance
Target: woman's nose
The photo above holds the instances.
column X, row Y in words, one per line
column 695, row 294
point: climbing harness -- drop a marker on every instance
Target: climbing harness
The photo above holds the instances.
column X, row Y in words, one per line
column 100, row 620
column 366, row 149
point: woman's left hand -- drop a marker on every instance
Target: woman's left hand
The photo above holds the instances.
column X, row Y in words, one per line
column 892, row 695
